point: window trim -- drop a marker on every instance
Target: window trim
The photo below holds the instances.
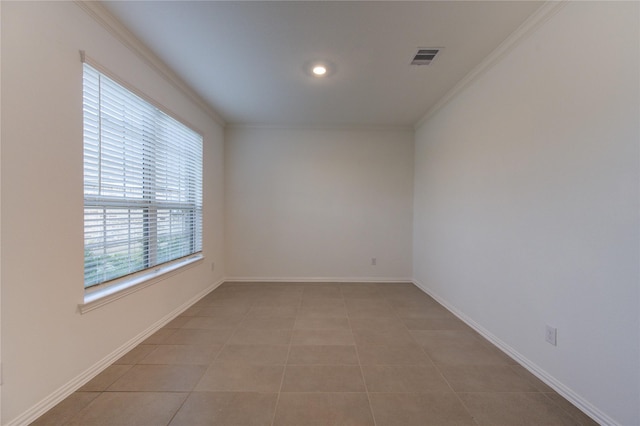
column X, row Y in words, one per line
column 101, row 294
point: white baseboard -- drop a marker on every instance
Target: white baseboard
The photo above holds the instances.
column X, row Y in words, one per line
column 77, row 382
column 566, row 392
column 322, row 279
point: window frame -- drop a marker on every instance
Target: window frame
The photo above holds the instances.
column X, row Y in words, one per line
column 113, row 288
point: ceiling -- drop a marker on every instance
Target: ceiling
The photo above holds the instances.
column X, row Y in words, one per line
column 247, row 59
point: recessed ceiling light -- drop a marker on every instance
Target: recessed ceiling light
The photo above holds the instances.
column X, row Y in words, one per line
column 319, row 70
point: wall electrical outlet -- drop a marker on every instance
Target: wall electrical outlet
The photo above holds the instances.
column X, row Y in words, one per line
column 213, row 266
column 551, row 335
column 374, row 261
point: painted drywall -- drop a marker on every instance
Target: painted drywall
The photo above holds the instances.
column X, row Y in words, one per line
column 526, row 203
column 46, row 343
column 318, row 203
column 0, row 215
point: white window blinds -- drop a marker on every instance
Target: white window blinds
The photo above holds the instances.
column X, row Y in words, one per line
column 142, row 183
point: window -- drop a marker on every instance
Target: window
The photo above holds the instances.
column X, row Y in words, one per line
column 142, row 183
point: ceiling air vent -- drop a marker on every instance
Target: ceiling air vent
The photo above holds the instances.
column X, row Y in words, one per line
column 424, row 56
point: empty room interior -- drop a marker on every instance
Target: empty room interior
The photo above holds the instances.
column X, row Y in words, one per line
column 402, row 213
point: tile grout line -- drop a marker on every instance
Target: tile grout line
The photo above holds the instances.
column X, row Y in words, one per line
column 180, row 407
column 235, row 329
column 437, row 368
column 560, row 407
column 286, row 361
column 366, row 389
column 210, row 364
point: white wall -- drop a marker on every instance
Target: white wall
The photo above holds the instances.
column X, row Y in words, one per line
column 0, row 217
column 45, row 341
column 305, row 203
column 526, row 203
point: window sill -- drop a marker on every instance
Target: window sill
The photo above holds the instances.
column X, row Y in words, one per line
column 95, row 298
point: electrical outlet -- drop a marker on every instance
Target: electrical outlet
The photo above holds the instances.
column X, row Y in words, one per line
column 551, row 335
column 213, row 266
column 374, row 261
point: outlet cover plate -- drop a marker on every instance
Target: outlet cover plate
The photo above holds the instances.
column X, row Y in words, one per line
column 551, row 335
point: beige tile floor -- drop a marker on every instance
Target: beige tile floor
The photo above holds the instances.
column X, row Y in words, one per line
column 315, row 354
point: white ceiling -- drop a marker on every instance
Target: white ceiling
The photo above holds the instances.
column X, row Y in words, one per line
column 246, row 59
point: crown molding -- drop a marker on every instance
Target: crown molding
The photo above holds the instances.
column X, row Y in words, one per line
column 102, row 16
column 321, row 127
column 529, row 26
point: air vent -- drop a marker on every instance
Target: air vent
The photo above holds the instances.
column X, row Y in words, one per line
column 424, row 56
